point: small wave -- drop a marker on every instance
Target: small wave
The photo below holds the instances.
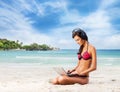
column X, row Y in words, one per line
column 39, row 57
column 108, row 64
column 109, row 58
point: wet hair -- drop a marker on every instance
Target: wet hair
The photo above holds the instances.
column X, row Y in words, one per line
column 79, row 32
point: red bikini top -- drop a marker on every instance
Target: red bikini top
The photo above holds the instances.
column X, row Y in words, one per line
column 85, row 55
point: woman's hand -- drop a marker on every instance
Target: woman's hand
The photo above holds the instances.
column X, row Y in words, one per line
column 70, row 71
column 74, row 72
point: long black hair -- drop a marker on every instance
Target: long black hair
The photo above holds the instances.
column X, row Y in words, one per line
column 79, row 32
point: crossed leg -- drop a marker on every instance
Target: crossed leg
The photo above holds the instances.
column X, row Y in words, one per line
column 65, row 80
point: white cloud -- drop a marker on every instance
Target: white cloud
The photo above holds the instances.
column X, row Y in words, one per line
column 15, row 26
column 107, row 4
column 27, row 37
column 97, row 25
column 71, row 17
column 59, row 4
column 97, row 20
column 31, row 6
column 112, row 42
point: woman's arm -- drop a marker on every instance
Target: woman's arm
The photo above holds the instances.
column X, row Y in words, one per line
column 93, row 65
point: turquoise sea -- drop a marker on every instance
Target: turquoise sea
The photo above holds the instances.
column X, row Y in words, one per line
column 58, row 57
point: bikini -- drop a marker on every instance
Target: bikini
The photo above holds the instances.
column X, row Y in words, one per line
column 76, row 75
column 85, row 56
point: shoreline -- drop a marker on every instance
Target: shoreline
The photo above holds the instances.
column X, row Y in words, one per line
column 34, row 78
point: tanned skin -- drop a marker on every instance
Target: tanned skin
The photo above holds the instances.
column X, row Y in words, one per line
column 84, row 67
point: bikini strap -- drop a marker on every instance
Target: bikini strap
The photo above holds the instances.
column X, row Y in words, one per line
column 87, row 45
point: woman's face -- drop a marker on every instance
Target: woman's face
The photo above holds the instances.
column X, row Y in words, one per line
column 78, row 40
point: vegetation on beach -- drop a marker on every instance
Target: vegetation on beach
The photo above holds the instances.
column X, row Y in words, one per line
column 11, row 45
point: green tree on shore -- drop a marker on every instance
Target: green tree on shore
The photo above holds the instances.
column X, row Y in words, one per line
column 9, row 45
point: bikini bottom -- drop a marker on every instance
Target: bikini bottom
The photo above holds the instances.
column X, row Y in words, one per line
column 76, row 75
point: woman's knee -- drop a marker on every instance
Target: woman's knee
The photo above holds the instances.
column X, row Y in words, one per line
column 55, row 81
column 84, row 82
column 62, row 79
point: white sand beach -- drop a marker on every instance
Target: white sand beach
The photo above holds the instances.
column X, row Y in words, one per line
column 34, row 78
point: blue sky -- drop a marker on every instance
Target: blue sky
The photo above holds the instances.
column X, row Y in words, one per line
column 52, row 21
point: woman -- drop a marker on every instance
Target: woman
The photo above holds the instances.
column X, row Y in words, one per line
column 86, row 61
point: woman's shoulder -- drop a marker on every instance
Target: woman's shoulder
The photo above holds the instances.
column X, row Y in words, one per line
column 91, row 47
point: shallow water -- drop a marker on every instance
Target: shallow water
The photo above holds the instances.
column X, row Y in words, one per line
column 58, row 57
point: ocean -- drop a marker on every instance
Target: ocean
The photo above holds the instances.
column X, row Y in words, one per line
column 57, row 57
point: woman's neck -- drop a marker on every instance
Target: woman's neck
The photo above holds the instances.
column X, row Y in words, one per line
column 85, row 43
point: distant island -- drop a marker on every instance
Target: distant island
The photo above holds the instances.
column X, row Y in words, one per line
column 16, row 45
